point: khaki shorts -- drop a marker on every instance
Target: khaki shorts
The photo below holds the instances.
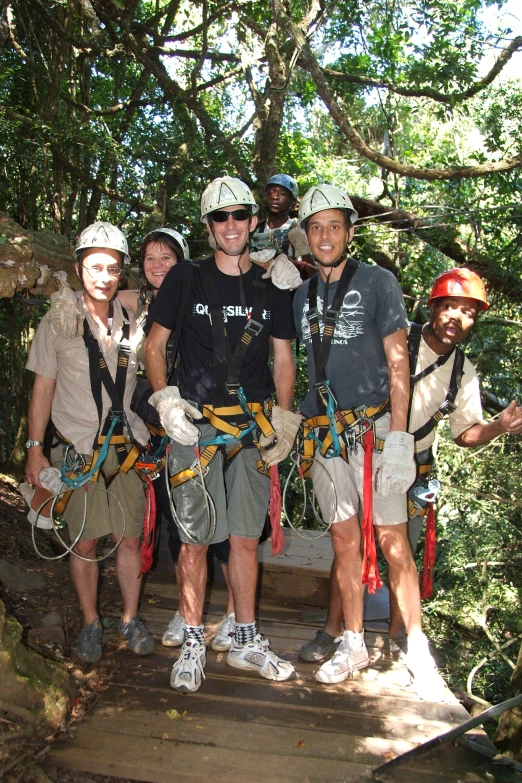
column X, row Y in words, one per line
column 347, row 479
column 103, row 510
column 240, row 494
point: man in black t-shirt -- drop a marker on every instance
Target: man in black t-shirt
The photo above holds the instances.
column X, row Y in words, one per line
column 223, row 381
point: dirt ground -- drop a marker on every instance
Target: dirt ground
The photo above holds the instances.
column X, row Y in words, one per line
column 22, row 758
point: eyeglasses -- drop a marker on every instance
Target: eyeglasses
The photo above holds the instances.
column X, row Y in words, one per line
column 221, row 216
column 98, row 271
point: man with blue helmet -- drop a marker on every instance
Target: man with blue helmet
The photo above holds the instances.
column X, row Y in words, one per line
column 278, row 230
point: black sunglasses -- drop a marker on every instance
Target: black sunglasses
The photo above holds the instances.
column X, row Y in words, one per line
column 220, row 216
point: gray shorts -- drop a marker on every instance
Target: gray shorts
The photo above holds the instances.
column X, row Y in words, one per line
column 337, row 480
column 239, row 493
column 103, row 509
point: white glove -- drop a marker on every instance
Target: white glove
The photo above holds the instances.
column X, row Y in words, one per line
column 64, row 315
column 396, row 469
column 286, row 424
column 173, row 411
column 298, row 240
column 280, row 270
column 51, row 479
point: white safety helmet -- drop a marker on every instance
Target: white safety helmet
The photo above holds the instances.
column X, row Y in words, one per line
column 226, row 192
column 176, row 236
column 103, row 235
column 322, row 197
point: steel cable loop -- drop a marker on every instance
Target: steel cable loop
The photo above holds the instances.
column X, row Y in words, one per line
column 209, row 505
column 295, row 525
column 69, row 548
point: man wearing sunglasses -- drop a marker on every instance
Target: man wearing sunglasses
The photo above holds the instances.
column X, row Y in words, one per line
column 233, row 315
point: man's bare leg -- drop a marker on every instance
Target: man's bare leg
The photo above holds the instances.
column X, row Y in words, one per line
column 193, row 573
column 346, row 542
column 85, row 579
column 128, row 568
column 402, row 575
column 334, row 617
column 242, row 573
column 230, row 597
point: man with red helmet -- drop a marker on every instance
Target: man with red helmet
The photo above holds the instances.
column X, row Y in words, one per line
column 444, row 383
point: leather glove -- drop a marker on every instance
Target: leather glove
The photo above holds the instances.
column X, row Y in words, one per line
column 299, row 242
column 396, row 469
column 51, row 479
column 286, row 424
column 64, row 315
column 173, row 411
column 280, row 269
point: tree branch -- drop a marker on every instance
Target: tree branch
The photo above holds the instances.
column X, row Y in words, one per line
column 428, row 92
column 309, row 61
column 195, row 55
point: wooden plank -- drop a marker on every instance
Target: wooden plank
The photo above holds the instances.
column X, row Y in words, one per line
column 371, row 693
column 377, row 717
column 256, row 737
column 166, row 761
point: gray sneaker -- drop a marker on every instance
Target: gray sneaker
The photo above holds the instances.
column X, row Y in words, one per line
column 89, row 644
column 138, row 638
column 319, row 648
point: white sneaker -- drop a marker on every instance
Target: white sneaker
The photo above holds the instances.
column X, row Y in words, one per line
column 349, row 656
column 188, row 671
column 258, row 657
column 174, row 636
column 222, row 641
column 428, row 684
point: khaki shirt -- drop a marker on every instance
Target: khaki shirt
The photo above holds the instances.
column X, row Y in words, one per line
column 66, row 361
column 430, row 393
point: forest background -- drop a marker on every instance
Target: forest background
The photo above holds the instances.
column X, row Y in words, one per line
column 124, row 111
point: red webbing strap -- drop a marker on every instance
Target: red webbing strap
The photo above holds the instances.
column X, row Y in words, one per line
column 430, row 546
column 149, row 525
column 277, row 537
column 370, row 572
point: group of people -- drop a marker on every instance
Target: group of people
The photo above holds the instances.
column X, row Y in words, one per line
column 219, row 346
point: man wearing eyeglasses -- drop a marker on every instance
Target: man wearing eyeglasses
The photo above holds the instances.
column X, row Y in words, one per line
column 223, row 381
column 83, row 382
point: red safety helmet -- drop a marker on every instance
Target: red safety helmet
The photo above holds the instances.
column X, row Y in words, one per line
column 460, row 282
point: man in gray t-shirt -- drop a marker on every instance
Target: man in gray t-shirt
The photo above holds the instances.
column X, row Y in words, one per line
column 352, row 320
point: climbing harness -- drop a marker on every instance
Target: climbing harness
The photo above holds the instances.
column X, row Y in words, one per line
column 236, row 420
column 423, row 493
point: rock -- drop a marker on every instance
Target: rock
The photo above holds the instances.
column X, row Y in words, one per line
column 48, row 640
column 29, row 680
column 19, row 581
column 53, row 618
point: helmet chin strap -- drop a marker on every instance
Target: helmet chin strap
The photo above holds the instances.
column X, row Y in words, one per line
column 332, row 265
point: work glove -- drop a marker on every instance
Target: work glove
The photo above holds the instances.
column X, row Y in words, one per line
column 64, row 315
column 396, row 469
column 298, row 240
column 173, row 411
column 280, row 269
column 275, row 449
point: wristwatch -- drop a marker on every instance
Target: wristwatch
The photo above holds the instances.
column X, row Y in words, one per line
column 30, row 443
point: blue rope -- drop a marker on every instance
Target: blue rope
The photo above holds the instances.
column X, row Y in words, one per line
column 335, row 450
column 78, row 481
column 226, row 438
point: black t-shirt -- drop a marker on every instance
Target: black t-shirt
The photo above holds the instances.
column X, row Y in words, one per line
column 196, row 349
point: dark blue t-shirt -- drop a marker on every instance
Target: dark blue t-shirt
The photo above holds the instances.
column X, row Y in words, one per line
column 196, row 348
column 373, row 308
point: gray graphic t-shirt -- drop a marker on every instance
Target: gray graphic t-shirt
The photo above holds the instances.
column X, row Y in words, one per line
column 373, row 308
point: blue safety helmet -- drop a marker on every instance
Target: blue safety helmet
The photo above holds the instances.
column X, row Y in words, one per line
column 286, row 181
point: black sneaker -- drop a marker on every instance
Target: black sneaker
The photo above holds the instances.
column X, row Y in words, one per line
column 138, row 638
column 319, row 648
column 89, row 644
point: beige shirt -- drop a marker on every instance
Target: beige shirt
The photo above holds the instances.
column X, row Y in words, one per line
column 430, row 393
column 66, row 361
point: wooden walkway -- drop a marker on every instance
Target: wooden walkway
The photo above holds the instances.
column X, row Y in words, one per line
column 241, row 728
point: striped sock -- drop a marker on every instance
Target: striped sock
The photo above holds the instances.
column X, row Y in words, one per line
column 194, row 633
column 244, row 633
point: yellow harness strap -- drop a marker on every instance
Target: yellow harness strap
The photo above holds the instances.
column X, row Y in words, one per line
column 349, row 417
